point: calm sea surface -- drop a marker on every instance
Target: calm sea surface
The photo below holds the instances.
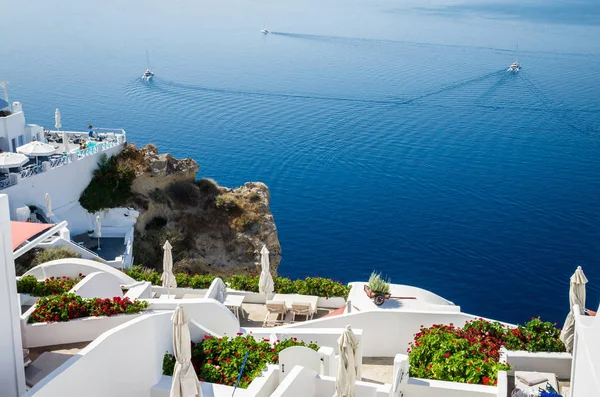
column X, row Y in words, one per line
column 389, row 133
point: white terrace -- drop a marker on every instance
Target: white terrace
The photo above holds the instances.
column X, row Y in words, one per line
column 122, row 355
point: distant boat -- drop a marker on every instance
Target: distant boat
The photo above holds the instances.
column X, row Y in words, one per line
column 148, row 74
column 264, row 30
column 515, row 67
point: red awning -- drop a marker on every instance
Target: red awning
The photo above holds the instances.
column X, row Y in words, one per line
column 23, row 231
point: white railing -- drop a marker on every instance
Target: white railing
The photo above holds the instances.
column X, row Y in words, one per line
column 6, row 182
column 88, row 151
column 31, row 170
column 60, row 161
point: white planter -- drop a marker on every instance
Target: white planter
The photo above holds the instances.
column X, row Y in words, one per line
column 331, row 303
column 72, row 331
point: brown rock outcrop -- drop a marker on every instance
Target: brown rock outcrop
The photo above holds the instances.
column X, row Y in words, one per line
column 212, row 229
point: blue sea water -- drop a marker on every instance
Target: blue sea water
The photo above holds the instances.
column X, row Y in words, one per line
column 389, row 133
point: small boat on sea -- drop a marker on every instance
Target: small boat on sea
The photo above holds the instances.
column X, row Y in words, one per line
column 148, row 74
column 515, row 67
column 264, row 31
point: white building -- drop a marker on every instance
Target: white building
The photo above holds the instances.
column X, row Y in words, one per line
column 63, row 176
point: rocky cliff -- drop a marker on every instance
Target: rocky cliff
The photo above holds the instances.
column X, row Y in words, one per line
column 212, row 229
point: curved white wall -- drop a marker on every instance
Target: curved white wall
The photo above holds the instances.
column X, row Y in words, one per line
column 385, row 332
column 208, row 313
column 71, row 267
column 125, row 361
column 98, row 285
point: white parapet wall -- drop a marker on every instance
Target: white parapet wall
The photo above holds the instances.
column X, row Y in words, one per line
column 72, row 267
column 125, row 361
column 72, row 331
column 254, row 297
column 585, row 371
column 555, row 363
column 385, row 332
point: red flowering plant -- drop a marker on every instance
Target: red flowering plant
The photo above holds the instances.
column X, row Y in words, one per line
column 472, row 354
column 219, row 360
column 51, row 286
column 66, row 307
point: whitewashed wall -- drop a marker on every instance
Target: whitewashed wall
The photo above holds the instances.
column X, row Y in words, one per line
column 12, row 377
column 437, row 388
column 385, row 332
column 555, row 363
column 65, row 185
column 71, row 267
column 585, row 373
column 209, row 313
column 123, row 362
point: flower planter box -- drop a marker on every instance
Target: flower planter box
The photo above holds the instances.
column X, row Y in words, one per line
column 72, row 331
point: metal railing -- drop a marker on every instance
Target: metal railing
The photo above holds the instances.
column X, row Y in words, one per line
column 60, row 161
column 31, row 170
column 6, row 182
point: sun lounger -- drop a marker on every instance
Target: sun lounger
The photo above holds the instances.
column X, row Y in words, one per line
column 277, row 308
column 302, row 309
column 534, row 380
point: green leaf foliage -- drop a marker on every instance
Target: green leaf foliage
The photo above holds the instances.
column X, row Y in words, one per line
column 110, row 186
column 472, row 354
column 219, row 360
column 317, row 286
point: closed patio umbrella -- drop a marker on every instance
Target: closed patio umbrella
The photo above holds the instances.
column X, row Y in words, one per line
column 167, row 278
column 576, row 297
column 57, row 119
column 265, row 282
column 185, row 380
column 48, row 205
column 347, row 367
column 98, row 230
column 10, row 160
column 65, row 140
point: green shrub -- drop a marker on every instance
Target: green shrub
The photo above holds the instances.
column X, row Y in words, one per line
column 207, row 186
column 316, row 286
column 185, row 193
column 377, row 284
column 52, row 254
column 219, row 360
column 110, row 186
column 471, row 354
column 51, row 286
column 228, row 203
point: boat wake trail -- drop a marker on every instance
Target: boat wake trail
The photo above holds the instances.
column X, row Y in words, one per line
column 556, row 110
column 270, row 94
column 451, row 87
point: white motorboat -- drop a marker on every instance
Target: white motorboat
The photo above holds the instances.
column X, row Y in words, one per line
column 264, row 31
column 147, row 75
column 515, row 67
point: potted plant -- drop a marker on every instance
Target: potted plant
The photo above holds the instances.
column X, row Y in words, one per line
column 378, row 289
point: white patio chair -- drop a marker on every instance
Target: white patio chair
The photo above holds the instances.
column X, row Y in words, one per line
column 275, row 307
column 302, row 309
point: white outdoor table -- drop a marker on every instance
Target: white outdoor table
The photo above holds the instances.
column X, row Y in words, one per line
column 234, row 302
